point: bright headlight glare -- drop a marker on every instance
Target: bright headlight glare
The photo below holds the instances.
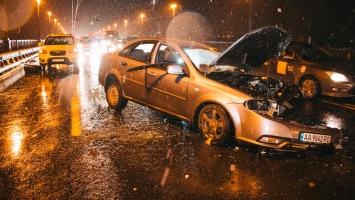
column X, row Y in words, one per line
column 43, row 51
column 337, row 77
column 73, row 50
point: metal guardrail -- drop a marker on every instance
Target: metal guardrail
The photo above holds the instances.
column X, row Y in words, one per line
column 12, row 45
column 14, row 58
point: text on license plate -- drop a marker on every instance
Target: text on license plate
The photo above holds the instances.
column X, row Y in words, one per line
column 314, row 138
column 58, row 60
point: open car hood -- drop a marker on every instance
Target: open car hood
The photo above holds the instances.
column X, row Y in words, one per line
column 255, row 47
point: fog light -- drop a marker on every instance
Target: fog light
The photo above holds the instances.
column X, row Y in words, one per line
column 271, row 140
column 335, row 89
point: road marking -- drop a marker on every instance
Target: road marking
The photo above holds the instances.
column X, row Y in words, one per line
column 348, row 106
column 75, row 118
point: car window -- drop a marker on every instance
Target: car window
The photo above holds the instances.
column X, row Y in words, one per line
column 59, row 40
column 168, row 54
column 141, row 52
column 311, row 53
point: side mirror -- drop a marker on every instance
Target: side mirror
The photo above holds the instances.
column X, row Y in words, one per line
column 40, row 44
column 288, row 57
column 174, row 69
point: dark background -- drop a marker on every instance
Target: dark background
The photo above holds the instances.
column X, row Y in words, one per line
column 328, row 22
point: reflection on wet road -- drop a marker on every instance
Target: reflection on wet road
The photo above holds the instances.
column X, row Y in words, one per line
column 59, row 140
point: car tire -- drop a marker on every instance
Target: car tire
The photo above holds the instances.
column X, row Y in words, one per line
column 214, row 124
column 310, row 87
column 49, row 66
column 27, row 70
column 114, row 95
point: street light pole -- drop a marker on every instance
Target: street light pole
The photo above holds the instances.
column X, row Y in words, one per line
column 173, row 6
column 49, row 21
column 38, row 35
column 250, row 14
column 142, row 16
column 55, row 25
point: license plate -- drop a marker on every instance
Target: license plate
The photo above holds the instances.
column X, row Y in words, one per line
column 57, row 60
column 315, row 138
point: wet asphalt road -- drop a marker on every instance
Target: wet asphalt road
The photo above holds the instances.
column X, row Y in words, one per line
column 59, row 140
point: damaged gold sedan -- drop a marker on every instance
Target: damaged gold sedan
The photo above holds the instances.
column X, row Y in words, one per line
column 214, row 91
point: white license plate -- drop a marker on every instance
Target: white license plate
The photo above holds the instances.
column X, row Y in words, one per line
column 58, row 60
column 315, row 138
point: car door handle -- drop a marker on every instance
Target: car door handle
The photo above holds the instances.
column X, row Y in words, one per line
column 123, row 63
column 151, row 74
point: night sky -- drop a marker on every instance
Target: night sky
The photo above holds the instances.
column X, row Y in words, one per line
column 324, row 20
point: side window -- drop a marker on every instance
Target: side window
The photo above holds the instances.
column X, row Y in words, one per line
column 288, row 54
column 141, row 52
column 168, row 54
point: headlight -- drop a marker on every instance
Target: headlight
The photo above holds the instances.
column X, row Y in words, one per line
column 43, row 51
column 337, row 77
column 73, row 50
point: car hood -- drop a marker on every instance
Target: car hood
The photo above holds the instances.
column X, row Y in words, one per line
column 255, row 47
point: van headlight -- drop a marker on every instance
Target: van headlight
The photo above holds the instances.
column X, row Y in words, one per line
column 337, row 77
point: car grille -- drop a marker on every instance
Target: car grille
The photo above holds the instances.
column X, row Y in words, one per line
column 57, row 53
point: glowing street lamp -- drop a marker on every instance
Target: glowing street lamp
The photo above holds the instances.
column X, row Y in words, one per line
column 55, row 25
column 173, row 6
column 142, row 16
column 49, row 21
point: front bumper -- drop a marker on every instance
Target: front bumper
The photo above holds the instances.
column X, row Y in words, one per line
column 58, row 60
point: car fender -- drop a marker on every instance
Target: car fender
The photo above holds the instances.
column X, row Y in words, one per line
column 211, row 98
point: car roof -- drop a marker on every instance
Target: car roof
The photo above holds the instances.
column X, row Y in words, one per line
column 56, row 35
column 180, row 42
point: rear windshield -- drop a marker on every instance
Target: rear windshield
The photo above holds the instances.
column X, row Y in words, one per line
column 59, row 40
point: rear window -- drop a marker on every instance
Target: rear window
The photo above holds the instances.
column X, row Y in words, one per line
column 59, row 40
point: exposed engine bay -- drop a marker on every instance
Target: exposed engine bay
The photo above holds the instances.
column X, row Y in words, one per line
column 272, row 98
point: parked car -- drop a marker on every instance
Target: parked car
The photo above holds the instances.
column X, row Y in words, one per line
column 212, row 91
column 58, row 49
column 314, row 69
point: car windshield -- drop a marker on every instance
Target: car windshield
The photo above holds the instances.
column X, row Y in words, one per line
column 201, row 56
column 59, row 40
column 312, row 53
column 86, row 40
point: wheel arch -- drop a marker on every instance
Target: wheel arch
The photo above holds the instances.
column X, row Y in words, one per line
column 194, row 121
column 109, row 78
column 305, row 76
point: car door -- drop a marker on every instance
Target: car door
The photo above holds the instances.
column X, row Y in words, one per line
column 165, row 91
column 279, row 68
column 132, row 60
